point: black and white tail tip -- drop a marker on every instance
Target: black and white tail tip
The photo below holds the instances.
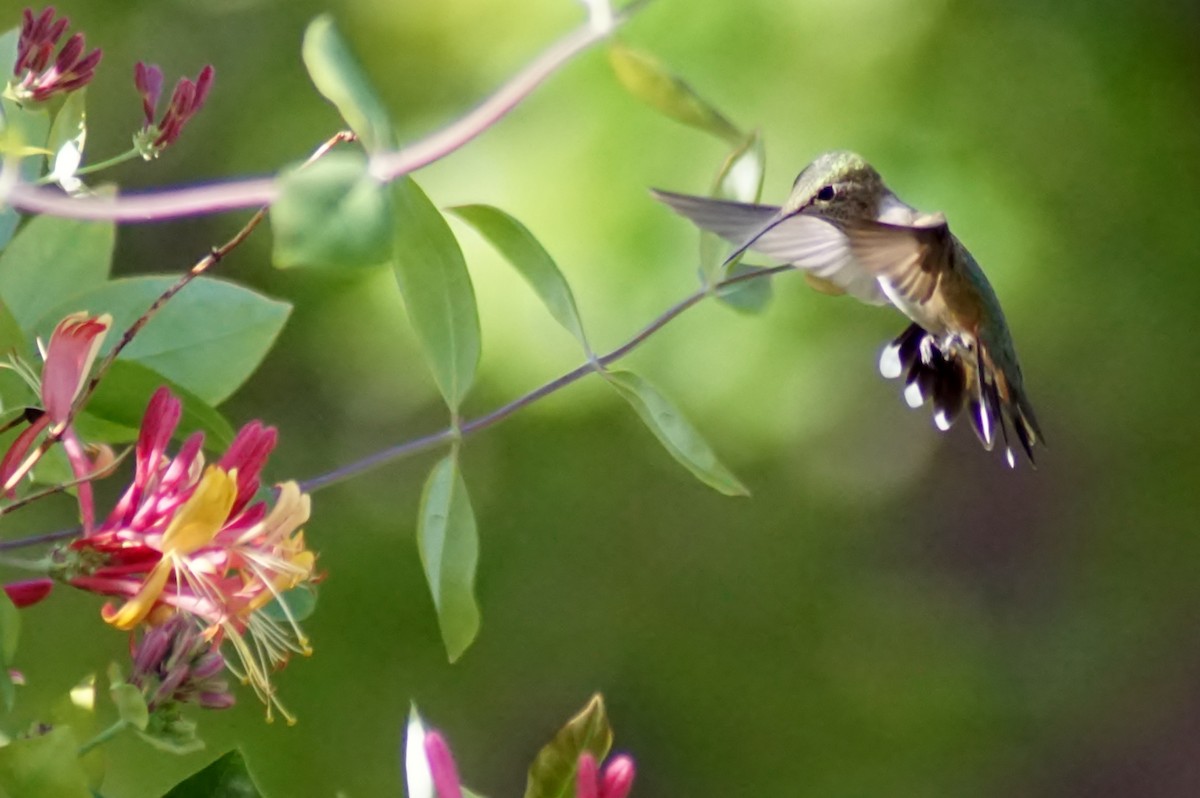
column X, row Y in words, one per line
column 952, row 380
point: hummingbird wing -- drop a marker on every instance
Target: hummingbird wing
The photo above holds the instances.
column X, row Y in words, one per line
column 807, row 242
column 909, row 258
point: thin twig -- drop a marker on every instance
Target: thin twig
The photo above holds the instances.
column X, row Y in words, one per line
column 63, row 486
column 409, row 448
column 215, row 255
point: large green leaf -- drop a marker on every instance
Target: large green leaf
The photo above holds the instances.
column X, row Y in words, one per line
column 227, row 777
column 338, row 76
column 12, row 340
column 552, row 774
column 675, row 432
column 68, row 134
column 209, row 338
column 10, row 631
column 740, row 178
column 646, row 78
column 123, row 394
column 50, row 259
column 530, row 258
column 448, row 542
column 45, row 766
column 333, row 214
column 437, row 291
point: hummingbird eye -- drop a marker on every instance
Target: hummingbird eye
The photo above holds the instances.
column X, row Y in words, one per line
column 826, row 193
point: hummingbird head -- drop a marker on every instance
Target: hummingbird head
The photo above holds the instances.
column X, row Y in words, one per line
column 840, row 185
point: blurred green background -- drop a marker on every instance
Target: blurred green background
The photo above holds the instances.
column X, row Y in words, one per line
column 894, row 612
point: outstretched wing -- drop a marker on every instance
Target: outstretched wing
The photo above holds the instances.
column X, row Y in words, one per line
column 808, row 242
column 910, row 259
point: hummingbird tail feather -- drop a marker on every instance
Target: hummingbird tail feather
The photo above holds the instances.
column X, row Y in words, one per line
column 952, row 380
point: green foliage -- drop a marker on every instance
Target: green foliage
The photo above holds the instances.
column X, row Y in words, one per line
column 296, row 605
column 338, row 76
column 530, row 259
column 123, row 394
column 740, row 178
column 10, row 632
column 12, row 339
column 650, row 81
column 437, row 291
column 130, row 704
column 448, row 542
column 675, row 433
column 226, row 777
column 51, row 260
column 43, row 766
column 209, row 338
column 68, row 134
column 552, row 774
column 332, row 214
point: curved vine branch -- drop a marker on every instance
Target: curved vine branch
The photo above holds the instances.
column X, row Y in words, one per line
column 152, row 206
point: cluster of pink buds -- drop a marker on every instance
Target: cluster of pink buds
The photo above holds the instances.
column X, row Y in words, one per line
column 186, row 100
column 615, row 781
column 39, row 74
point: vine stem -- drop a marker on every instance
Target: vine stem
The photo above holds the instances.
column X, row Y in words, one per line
column 238, row 194
column 452, row 433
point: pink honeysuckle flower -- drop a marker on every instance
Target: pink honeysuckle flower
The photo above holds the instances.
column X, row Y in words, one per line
column 68, row 363
column 186, row 100
column 37, row 78
column 442, row 770
column 28, row 592
column 191, row 539
column 615, row 782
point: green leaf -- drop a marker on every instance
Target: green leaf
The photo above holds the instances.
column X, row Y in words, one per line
column 748, row 296
column 123, row 394
column 8, row 50
column 77, row 710
column 130, row 704
column 646, row 78
column 23, row 135
column 552, row 774
column 68, row 135
column 449, row 546
column 675, row 432
column 332, row 214
column 519, row 247
column 208, row 339
column 10, row 632
column 299, row 602
column 45, row 766
column 12, row 340
column 50, row 259
column 740, row 178
column 437, row 291
column 338, row 76
column 227, row 777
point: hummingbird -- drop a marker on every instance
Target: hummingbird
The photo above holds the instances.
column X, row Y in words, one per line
column 851, row 234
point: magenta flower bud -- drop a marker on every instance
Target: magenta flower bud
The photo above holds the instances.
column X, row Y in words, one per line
column 38, row 80
column 28, row 591
column 149, row 82
column 187, row 98
column 441, row 766
column 585, row 777
column 618, row 777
